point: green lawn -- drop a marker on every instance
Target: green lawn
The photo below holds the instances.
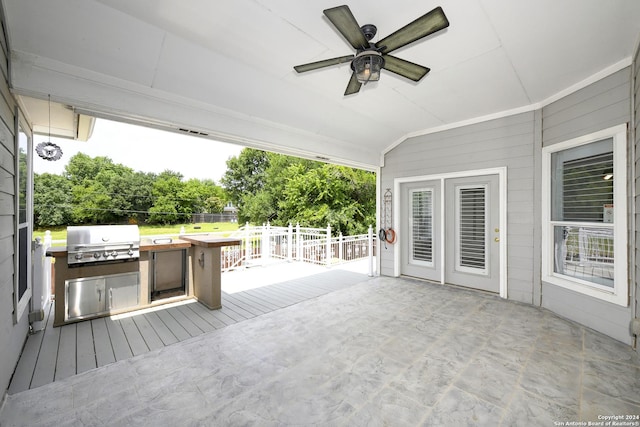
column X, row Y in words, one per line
column 60, row 233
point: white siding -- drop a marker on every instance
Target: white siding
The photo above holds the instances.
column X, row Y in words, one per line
column 634, row 252
column 601, row 105
column 502, row 142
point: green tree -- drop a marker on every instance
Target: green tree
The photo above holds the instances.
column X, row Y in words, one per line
column 52, row 200
column 282, row 189
column 244, row 178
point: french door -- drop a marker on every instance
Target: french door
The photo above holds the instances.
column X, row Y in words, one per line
column 452, row 229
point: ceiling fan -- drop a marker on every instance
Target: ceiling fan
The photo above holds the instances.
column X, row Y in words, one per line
column 371, row 57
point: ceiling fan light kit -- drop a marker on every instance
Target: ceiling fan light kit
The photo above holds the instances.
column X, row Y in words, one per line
column 371, row 58
column 367, row 66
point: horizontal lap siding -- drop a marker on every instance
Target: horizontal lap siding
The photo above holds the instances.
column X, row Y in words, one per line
column 12, row 336
column 502, row 142
column 636, row 168
column 598, row 106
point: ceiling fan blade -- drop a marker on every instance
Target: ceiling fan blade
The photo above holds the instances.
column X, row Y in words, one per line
column 405, row 68
column 353, row 86
column 427, row 24
column 321, row 64
column 344, row 21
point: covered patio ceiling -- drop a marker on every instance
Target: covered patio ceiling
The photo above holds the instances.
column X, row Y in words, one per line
column 224, row 69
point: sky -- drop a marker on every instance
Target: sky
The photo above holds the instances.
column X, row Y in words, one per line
column 145, row 150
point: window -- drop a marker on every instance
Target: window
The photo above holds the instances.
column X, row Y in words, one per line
column 585, row 215
column 22, row 285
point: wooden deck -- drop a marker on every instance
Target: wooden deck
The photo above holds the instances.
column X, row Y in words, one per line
column 57, row 353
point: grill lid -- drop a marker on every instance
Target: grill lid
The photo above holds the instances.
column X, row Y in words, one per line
column 100, row 243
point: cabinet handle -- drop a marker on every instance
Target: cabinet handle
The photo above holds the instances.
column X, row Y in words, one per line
column 110, row 298
column 99, row 295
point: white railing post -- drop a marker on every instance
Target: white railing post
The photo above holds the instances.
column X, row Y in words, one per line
column 340, row 254
column 298, row 242
column 41, row 279
column 247, row 244
column 290, row 243
column 370, row 231
column 328, row 247
column 266, row 247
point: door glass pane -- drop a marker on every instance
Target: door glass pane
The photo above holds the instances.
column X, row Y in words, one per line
column 422, row 225
column 472, row 226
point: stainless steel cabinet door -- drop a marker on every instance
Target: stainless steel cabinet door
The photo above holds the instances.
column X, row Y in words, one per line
column 85, row 297
column 123, row 291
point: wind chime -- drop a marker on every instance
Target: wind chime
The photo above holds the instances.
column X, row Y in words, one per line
column 48, row 150
column 387, row 234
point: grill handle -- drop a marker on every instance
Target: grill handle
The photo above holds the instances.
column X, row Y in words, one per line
column 100, row 245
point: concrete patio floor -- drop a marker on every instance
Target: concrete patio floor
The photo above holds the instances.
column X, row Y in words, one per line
column 383, row 352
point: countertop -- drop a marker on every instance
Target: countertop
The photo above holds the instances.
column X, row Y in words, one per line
column 211, row 242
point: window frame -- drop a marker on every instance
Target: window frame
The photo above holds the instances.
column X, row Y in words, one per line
column 620, row 293
column 21, row 303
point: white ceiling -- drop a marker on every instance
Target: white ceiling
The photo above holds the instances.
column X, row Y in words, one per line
column 225, row 67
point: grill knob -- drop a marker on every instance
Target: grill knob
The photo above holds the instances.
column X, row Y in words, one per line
column 96, row 255
column 78, row 256
column 106, row 254
column 130, row 252
column 114, row 253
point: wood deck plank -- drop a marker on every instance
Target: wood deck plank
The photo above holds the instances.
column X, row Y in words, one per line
column 102, row 342
column 185, row 322
column 161, row 329
column 197, row 320
column 276, row 296
column 44, row 371
column 246, row 305
column 27, row 363
column 180, row 333
column 232, row 304
column 251, row 299
column 207, row 315
column 66, row 360
column 270, row 299
column 121, row 349
column 134, row 337
column 86, row 353
column 232, row 314
column 149, row 334
column 222, row 317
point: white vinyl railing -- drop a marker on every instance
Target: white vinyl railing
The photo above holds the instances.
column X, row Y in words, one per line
column 262, row 244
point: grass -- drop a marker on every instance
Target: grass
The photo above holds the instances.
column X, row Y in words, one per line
column 60, row 233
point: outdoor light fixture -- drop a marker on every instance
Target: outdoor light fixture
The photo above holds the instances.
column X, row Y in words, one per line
column 367, row 66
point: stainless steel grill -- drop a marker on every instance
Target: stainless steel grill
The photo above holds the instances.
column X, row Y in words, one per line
column 99, row 244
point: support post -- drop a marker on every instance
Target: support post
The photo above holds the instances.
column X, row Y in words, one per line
column 290, row 243
column 340, row 250
column 298, row 242
column 248, row 250
column 370, row 231
column 328, row 246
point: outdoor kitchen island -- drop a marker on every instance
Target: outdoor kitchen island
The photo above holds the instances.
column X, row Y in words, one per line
column 130, row 285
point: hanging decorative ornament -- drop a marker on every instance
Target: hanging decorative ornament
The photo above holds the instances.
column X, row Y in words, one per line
column 48, row 150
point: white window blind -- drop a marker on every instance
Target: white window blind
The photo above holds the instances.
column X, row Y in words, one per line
column 473, row 227
column 422, row 225
column 587, row 186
